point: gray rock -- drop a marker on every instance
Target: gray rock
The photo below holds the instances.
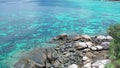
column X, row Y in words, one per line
column 86, row 50
column 93, row 48
column 71, row 50
column 80, row 45
column 61, row 36
column 81, row 37
column 57, row 49
column 87, row 37
column 101, row 63
column 87, row 65
column 64, row 53
column 38, row 57
column 56, row 64
column 89, row 44
column 105, row 45
column 85, row 58
column 89, row 54
column 99, row 47
column 73, row 66
column 100, row 38
column 76, row 38
column 109, row 38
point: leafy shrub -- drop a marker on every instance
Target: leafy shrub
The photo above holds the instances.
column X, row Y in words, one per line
column 114, row 50
column 114, row 31
column 110, row 65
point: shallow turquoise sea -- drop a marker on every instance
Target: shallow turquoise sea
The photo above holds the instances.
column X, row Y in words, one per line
column 27, row 24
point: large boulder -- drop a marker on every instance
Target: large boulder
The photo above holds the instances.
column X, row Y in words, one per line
column 61, row 36
column 87, row 37
column 99, row 47
column 76, row 38
column 82, row 38
column 101, row 63
column 105, row 45
column 80, row 45
column 93, row 48
column 35, row 58
column 38, row 57
column 109, row 38
column 100, row 38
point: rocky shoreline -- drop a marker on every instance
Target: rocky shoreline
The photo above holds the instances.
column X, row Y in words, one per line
column 81, row 51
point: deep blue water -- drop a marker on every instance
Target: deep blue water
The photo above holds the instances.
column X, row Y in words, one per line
column 26, row 24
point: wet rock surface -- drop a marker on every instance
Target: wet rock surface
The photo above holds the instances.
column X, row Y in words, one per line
column 81, row 51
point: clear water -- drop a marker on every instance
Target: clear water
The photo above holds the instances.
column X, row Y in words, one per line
column 26, row 24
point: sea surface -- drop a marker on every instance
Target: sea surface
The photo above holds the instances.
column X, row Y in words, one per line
column 27, row 24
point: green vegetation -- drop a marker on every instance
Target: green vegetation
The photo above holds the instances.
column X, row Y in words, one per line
column 110, row 65
column 114, row 50
column 114, row 31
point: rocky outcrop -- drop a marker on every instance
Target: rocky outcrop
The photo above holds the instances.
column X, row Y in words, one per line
column 81, row 51
column 38, row 58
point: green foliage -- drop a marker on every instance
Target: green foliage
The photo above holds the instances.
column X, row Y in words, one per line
column 114, row 50
column 114, row 31
column 110, row 65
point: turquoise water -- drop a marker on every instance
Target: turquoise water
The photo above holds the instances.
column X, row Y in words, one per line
column 27, row 24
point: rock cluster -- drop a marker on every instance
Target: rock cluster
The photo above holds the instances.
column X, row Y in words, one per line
column 81, row 51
